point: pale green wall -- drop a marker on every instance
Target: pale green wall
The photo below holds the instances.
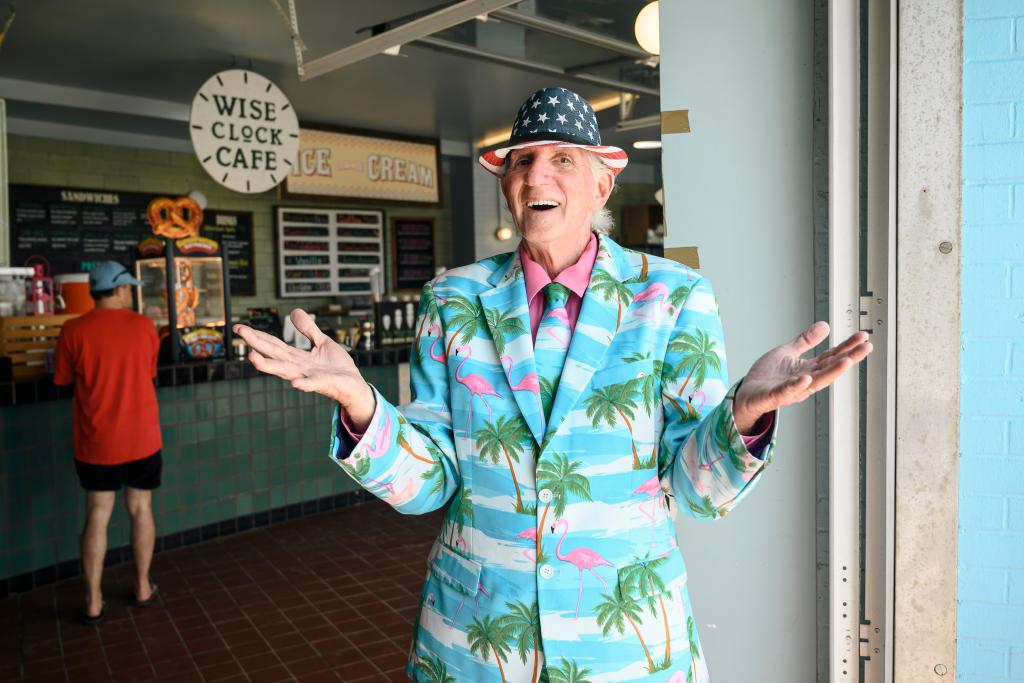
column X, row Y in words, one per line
column 43, row 161
column 739, row 187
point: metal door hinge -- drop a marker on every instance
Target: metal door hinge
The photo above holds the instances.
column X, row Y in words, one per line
column 870, row 641
column 872, row 313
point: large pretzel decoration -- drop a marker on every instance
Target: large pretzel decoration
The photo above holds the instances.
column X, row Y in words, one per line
column 175, row 218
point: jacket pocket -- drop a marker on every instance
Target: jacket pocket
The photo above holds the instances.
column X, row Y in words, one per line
column 649, row 577
column 454, row 570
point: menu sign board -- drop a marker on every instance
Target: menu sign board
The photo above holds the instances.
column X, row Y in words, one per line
column 413, row 252
column 74, row 228
column 328, row 252
column 233, row 229
column 332, row 165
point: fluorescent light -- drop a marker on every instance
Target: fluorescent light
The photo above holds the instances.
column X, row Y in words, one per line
column 647, row 144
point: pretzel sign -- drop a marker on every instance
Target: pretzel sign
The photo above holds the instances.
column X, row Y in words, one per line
column 175, row 218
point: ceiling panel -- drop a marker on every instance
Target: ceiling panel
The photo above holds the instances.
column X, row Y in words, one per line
column 167, row 50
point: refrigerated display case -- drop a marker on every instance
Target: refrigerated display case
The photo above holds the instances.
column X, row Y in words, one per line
column 198, row 322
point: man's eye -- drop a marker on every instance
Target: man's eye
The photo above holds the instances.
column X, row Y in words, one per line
column 565, row 161
column 522, row 161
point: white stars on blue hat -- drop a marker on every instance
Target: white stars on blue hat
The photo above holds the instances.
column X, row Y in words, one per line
column 560, row 112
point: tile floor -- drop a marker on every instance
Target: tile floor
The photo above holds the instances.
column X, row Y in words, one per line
column 316, row 599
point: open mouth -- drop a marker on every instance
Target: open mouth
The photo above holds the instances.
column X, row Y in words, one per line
column 542, row 204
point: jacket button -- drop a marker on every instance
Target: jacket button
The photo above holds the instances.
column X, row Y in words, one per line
column 544, row 495
column 547, row 571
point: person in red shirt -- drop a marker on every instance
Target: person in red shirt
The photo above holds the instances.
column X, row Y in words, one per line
column 110, row 355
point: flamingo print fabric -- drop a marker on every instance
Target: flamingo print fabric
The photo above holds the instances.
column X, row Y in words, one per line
column 557, row 559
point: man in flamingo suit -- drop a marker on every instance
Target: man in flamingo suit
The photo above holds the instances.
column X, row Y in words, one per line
column 561, row 392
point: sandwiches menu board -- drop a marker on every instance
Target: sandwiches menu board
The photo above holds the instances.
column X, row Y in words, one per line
column 74, row 228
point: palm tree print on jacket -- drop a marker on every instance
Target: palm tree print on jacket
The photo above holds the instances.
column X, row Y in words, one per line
column 615, row 401
column 490, row 636
column 523, row 624
column 695, row 653
column 468, row 321
column 567, row 672
column 505, row 437
column 622, row 425
column 563, row 479
column 643, row 578
column 609, row 288
column 617, row 610
column 431, row 669
column 699, row 356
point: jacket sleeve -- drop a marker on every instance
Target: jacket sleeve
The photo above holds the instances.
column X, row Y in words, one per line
column 407, row 457
column 703, row 459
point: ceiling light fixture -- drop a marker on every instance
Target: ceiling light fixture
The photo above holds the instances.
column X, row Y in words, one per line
column 647, row 144
column 646, row 28
column 503, row 233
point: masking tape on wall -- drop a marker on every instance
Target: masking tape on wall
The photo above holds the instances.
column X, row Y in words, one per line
column 677, row 121
column 686, row 255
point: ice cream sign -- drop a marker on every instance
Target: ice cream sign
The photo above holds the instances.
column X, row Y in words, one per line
column 347, row 165
column 244, row 131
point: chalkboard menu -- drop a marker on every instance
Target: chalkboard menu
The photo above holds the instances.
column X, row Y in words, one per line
column 233, row 229
column 73, row 228
column 413, row 251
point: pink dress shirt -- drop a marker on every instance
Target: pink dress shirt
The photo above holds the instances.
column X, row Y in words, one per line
column 577, row 278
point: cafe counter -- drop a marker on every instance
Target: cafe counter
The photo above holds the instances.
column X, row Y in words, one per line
column 241, row 450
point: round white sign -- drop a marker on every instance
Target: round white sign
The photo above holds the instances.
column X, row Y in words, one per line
column 244, row 131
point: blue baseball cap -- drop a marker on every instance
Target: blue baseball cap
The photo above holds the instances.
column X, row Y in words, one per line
column 110, row 274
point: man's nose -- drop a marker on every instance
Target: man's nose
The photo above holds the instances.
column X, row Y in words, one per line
column 537, row 173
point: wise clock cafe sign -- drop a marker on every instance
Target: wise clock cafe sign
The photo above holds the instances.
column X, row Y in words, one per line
column 244, row 131
column 332, row 164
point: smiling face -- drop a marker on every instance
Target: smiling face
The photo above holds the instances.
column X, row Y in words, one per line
column 553, row 193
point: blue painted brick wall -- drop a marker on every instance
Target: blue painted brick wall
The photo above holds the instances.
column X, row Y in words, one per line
column 990, row 592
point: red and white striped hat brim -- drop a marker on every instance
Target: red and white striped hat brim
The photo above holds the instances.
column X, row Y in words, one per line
column 613, row 157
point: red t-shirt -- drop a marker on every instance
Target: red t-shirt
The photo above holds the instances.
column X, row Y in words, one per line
column 110, row 356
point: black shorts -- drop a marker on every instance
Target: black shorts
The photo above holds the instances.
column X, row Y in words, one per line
column 138, row 474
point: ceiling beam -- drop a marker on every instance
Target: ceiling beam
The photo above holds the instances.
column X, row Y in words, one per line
column 567, row 31
column 96, row 100
column 400, row 35
column 536, row 67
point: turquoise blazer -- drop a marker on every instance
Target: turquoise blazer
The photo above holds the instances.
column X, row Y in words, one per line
column 557, row 560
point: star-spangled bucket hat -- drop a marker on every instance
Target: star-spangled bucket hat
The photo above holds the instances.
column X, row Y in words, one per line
column 555, row 116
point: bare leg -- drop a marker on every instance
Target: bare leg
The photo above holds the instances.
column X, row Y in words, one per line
column 140, row 506
column 98, row 507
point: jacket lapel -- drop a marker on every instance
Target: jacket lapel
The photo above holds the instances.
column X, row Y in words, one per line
column 507, row 316
column 604, row 307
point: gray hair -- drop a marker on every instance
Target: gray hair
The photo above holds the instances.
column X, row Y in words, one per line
column 602, row 221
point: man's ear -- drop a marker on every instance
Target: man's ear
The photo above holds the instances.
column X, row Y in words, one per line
column 605, row 184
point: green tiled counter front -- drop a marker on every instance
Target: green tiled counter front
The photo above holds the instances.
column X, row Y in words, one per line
column 231, row 449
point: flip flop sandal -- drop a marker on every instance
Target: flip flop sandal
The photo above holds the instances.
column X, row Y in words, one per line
column 92, row 620
column 135, row 602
